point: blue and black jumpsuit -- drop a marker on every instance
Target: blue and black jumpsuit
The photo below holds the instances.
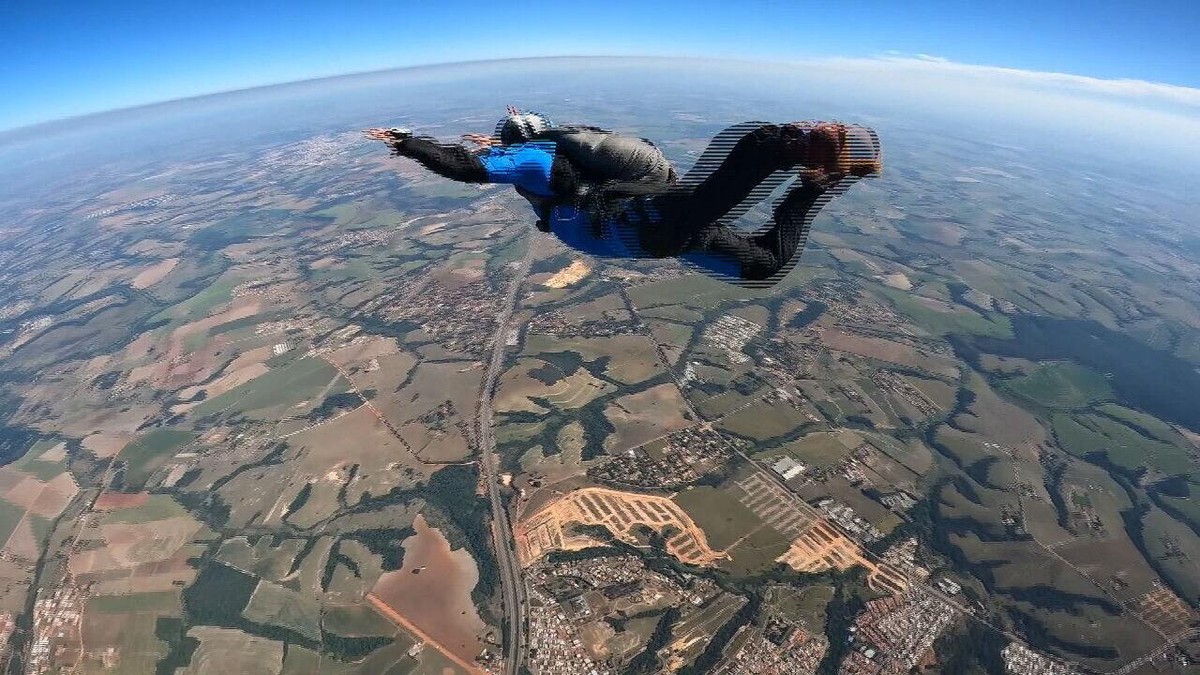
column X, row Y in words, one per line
column 681, row 220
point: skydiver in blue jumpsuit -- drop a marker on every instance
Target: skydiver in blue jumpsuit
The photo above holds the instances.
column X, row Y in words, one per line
column 610, row 195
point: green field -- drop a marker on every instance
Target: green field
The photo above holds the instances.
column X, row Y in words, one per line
column 1061, row 385
column 10, row 516
column 300, row 661
column 356, row 621
column 144, row 454
column 722, row 517
column 943, row 323
column 1148, row 423
column 966, row 448
column 199, row 305
column 139, row 646
column 764, row 421
column 157, row 602
column 693, row 290
column 157, row 507
column 805, row 604
column 819, row 450
column 1081, row 435
column 757, row 552
column 288, row 385
column 32, row 463
column 274, row 605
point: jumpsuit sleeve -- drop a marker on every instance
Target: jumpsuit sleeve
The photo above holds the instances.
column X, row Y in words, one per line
column 526, row 165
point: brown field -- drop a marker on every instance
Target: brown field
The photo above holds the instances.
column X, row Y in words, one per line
column 897, row 280
column 772, row 505
column 154, row 274
column 569, row 275
column 939, row 393
column 886, row 350
column 115, row 501
column 620, row 512
column 1163, row 610
column 358, row 355
column 822, row 547
column 47, row 498
column 174, row 367
column 432, row 592
column 324, row 452
column 55, row 496
column 850, row 255
column 128, row 545
column 946, row 233
column 432, row 386
column 380, row 373
column 56, row 454
column 231, row 379
column 998, row 420
column 22, row 542
column 517, row 389
column 633, row 357
column 26, row 492
column 605, row 307
column 644, row 416
column 225, row 650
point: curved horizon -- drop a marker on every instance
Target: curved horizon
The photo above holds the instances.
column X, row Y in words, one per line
column 1174, row 95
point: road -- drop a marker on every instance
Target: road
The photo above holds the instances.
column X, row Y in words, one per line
column 502, row 533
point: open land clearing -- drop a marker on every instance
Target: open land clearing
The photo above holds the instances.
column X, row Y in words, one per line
column 569, row 275
column 432, row 592
column 321, row 459
column 433, row 412
column 225, row 650
column 533, row 378
column 644, row 416
column 138, row 547
column 632, row 358
column 620, row 513
column 822, row 547
column 34, row 490
column 154, row 274
column 890, row 351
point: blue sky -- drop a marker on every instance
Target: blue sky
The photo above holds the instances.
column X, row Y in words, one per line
column 69, row 57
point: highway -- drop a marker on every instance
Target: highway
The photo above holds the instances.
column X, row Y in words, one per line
column 502, row 533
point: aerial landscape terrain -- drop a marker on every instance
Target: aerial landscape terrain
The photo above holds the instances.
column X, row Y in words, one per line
column 272, row 401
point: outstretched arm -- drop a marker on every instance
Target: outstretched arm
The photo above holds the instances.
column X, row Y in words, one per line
column 455, row 162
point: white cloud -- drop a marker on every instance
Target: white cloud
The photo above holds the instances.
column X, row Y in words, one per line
column 1149, row 92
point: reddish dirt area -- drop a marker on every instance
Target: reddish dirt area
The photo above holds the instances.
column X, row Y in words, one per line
column 115, row 501
column 432, row 591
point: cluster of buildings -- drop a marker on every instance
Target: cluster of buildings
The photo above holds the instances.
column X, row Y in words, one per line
column 686, row 456
column 57, row 620
column 896, row 385
column 356, row 239
column 732, row 334
column 554, row 644
column 460, row 318
column 148, row 203
column 791, row 651
column 1021, row 660
column 558, row 324
column 902, row 556
column 782, row 360
column 848, row 520
column 895, row 634
column 579, row 598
